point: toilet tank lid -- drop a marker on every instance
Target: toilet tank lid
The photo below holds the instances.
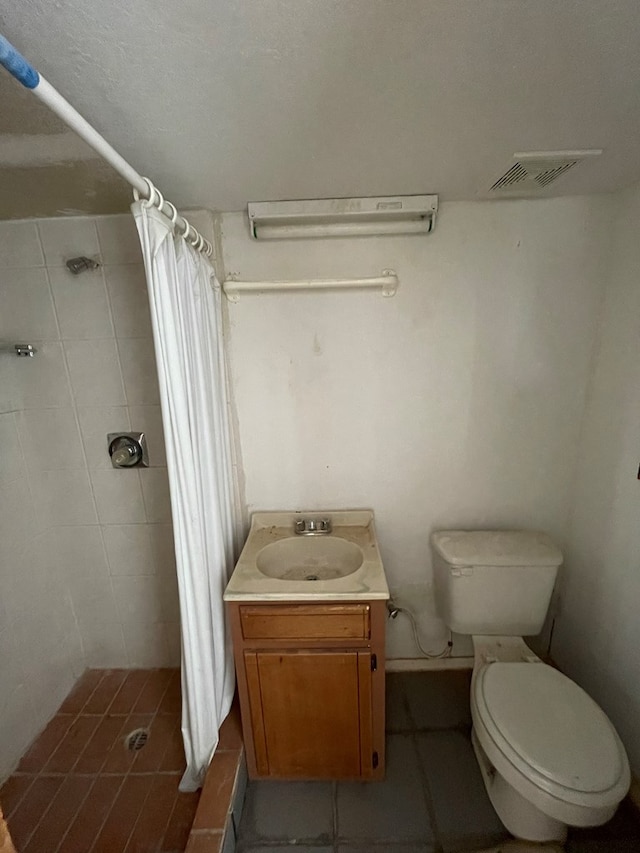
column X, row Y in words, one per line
column 496, row 548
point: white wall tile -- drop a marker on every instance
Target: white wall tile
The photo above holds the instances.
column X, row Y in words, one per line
column 42, row 381
column 18, row 724
column 157, row 500
column 148, row 419
column 68, row 237
column 80, row 552
column 93, row 600
column 139, row 370
column 127, row 286
column 12, row 466
column 129, row 549
column 96, row 422
column 19, row 245
column 63, row 497
column 16, row 517
column 81, row 304
column 169, row 596
column 174, row 643
column 26, row 307
column 95, row 372
column 104, row 645
column 118, row 238
column 161, row 536
column 147, row 644
column 50, row 439
column 138, row 598
column 118, row 496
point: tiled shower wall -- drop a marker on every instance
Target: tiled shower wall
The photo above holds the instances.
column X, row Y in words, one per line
column 86, row 551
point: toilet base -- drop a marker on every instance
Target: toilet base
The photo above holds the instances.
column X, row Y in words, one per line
column 520, row 817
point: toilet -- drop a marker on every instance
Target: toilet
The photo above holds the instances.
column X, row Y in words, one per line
column 549, row 756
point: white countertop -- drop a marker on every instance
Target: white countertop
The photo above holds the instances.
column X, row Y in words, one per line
column 248, row 583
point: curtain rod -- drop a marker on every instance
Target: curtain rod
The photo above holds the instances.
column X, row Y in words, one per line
column 26, row 74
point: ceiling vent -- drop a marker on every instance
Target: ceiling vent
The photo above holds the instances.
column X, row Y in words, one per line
column 533, row 171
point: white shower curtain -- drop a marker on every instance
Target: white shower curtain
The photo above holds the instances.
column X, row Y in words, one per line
column 185, row 303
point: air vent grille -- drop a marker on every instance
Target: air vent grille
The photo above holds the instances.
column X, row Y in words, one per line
column 533, row 172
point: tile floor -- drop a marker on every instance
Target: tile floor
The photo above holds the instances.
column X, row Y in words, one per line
column 79, row 790
column 432, row 799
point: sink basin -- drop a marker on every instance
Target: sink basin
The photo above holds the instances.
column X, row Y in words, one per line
column 309, row 558
column 276, row 564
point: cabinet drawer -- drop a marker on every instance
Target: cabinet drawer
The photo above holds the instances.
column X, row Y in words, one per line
column 306, row 622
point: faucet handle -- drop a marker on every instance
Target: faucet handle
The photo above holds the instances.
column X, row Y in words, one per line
column 309, row 526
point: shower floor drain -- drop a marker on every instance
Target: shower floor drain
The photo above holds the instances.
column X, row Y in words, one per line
column 136, row 739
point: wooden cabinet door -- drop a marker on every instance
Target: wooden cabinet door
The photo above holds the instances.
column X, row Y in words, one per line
column 311, row 713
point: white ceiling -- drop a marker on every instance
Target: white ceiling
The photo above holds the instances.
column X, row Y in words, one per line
column 225, row 101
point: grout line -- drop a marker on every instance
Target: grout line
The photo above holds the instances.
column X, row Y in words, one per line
column 76, row 813
column 108, row 814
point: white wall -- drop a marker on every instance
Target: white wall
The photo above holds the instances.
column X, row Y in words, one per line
column 597, row 634
column 458, row 402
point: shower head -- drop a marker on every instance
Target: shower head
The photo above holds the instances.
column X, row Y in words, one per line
column 78, row 265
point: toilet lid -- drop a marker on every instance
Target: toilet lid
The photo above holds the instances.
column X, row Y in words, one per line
column 542, row 719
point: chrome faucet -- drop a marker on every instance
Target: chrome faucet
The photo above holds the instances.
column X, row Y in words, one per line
column 312, row 526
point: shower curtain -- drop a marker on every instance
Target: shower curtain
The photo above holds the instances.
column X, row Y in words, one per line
column 185, row 301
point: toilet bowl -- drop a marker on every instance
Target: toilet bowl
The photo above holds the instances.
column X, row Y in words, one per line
column 549, row 756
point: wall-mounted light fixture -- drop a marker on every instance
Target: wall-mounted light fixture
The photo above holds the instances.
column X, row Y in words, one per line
column 342, row 217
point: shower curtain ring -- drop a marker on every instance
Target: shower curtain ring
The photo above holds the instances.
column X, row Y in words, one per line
column 174, row 213
column 187, row 230
column 191, row 235
column 200, row 245
column 160, row 203
column 147, row 202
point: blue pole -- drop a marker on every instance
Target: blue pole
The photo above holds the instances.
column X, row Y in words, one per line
column 17, row 65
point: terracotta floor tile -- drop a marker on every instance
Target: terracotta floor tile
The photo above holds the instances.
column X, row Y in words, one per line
column 88, row 822
column 149, row 758
column 13, row 791
column 80, row 789
column 119, row 758
column 154, row 818
column 72, row 745
column 81, row 692
column 128, row 694
column 174, row 760
column 63, row 809
column 217, row 791
column 205, row 842
column 124, row 814
column 46, row 743
column 100, row 745
column 151, row 695
column 231, row 729
column 180, row 822
column 105, row 692
column 172, row 700
column 35, row 802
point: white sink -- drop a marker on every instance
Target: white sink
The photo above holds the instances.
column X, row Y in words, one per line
column 309, row 558
column 276, row 564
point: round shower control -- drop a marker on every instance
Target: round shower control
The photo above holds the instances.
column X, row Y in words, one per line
column 127, row 450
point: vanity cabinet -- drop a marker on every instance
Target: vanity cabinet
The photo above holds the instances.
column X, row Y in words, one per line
column 311, row 687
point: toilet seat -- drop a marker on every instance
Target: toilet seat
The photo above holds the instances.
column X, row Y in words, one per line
column 548, row 736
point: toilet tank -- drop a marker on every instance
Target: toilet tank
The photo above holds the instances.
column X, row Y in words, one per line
column 494, row 581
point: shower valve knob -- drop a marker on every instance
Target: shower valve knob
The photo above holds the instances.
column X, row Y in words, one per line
column 128, row 449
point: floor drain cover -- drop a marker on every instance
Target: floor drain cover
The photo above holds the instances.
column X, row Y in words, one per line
column 136, row 739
